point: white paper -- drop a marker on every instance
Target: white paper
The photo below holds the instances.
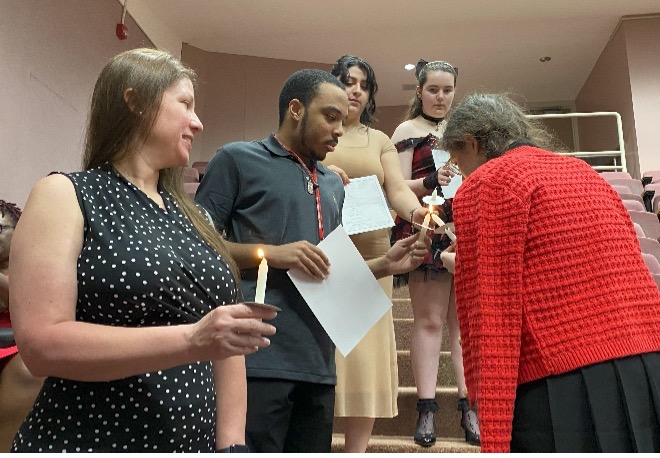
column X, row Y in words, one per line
column 365, row 208
column 440, row 158
column 350, row 301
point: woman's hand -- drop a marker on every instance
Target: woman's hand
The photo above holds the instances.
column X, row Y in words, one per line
column 444, row 176
column 448, row 258
column 231, row 330
column 341, row 173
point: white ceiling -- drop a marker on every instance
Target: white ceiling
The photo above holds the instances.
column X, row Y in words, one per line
column 496, row 44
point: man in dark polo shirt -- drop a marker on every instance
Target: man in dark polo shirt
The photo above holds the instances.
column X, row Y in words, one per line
column 276, row 195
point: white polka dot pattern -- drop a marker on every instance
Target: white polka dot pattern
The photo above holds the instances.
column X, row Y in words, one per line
column 141, row 265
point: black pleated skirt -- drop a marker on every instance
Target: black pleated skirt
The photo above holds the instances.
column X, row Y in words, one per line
column 612, row 406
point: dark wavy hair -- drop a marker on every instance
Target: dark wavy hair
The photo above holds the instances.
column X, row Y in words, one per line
column 340, row 70
column 303, row 86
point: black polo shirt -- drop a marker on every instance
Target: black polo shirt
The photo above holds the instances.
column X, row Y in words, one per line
column 258, row 193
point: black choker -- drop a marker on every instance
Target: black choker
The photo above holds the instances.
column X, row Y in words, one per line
column 437, row 121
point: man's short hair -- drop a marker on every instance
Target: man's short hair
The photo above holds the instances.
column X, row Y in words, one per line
column 304, row 85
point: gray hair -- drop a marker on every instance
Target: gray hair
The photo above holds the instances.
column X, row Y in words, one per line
column 495, row 120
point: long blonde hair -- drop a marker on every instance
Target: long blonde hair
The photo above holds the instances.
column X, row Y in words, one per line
column 117, row 128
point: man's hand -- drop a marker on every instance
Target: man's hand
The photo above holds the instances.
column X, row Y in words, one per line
column 300, row 255
column 407, row 254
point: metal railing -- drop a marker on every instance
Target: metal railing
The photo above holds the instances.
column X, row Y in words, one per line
column 620, row 153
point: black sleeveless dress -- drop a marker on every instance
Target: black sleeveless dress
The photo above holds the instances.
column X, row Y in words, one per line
column 140, row 265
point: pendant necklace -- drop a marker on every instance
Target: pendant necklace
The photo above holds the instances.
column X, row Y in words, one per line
column 437, row 121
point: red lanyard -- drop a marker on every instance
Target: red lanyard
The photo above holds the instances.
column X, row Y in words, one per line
column 312, row 176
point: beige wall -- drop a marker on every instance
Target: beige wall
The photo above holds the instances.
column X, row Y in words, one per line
column 237, row 96
column 52, row 52
column 626, row 79
column 643, row 50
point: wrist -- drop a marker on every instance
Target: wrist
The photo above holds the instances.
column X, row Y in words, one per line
column 431, row 182
column 412, row 213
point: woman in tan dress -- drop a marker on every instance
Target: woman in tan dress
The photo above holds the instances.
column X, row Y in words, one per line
column 367, row 379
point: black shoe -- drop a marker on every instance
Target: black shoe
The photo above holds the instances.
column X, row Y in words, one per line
column 425, row 428
column 469, row 422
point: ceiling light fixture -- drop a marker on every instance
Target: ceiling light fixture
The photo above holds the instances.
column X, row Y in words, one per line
column 545, row 59
column 409, row 66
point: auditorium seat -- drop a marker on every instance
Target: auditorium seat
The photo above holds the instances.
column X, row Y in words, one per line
column 615, row 175
column 621, row 189
column 190, row 188
column 650, row 246
column 190, row 175
column 637, row 198
column 634, row 205
column 639, row 231
column 648, row 221
column 634, row 185
column 201, row 167
column 650, row 191
column 654, row 174
column 652, row 263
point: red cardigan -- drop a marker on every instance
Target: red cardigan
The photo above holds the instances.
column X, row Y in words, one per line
column 549, row 278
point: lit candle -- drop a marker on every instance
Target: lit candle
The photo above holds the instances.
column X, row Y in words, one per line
column 262, row 274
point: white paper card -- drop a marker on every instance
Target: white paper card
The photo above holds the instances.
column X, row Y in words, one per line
column 350, row 301
column 440, row 158
column 365, row 208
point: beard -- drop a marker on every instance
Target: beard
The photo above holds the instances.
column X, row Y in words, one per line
column 308, row 151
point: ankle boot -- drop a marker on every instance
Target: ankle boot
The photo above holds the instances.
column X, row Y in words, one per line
column 469, row 422
column 425, row 428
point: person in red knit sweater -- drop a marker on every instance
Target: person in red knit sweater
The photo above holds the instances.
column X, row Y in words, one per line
column 559, row 316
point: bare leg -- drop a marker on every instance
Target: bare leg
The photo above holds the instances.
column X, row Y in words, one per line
column 430, row 301
column 455, row 346
column 357, row 431
column 18, row 390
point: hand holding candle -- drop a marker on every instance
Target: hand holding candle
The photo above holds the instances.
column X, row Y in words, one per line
column 425, row 223
column 262, row 274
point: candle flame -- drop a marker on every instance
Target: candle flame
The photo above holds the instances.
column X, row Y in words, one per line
column 260, row 253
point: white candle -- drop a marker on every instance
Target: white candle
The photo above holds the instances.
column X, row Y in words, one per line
column 425, row 223
column 434, row 194
column 262, row 274
column 438, row 220
column 450, row 234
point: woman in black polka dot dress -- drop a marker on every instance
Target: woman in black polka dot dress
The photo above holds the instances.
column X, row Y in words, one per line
column 117, row 280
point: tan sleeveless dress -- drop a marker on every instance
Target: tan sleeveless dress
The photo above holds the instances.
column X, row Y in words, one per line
column 367, row 380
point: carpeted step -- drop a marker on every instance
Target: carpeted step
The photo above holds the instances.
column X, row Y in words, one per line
column 401, row 308
column 445, row 369
column 447, row 419
column 405, row 444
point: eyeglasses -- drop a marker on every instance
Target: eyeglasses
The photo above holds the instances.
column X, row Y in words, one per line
column 4, row 227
